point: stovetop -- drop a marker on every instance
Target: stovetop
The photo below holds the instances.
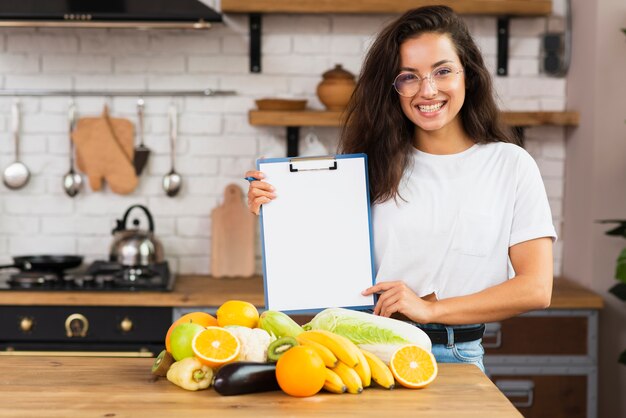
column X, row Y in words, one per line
column 98, row 276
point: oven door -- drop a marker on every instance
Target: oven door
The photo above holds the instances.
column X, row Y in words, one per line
column 90, row 331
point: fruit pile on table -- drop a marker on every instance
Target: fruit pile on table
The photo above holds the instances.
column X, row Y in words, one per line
column 339, row 351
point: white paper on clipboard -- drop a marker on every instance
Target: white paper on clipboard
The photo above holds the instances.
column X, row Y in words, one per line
column 316, row 234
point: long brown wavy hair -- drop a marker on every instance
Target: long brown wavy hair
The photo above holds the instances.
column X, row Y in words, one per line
column 374, row 121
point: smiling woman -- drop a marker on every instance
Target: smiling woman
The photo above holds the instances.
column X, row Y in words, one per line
column 436, row 104
column 461, row 223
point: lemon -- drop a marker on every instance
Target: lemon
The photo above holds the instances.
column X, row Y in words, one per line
column 237, row 312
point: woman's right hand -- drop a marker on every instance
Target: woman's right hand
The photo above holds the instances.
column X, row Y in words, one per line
column 259, row 192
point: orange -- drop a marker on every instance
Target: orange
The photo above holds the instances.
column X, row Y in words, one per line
column 300, row 371
column 215, row 346
column 237, row 312
column 200, row 318
column 413, row 367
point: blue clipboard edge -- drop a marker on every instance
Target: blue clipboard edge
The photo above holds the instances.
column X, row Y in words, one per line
column 369, row 218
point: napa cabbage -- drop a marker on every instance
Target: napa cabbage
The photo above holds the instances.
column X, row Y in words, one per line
column 377, row 334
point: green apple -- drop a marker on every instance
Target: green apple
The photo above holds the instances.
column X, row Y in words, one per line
column 181, row 339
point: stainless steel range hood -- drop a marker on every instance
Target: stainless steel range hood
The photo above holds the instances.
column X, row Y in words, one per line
column 139, row 14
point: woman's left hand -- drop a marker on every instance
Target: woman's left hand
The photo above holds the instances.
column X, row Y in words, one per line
column 397, row 297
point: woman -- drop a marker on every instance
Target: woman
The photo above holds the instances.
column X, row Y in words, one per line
column 462, row 228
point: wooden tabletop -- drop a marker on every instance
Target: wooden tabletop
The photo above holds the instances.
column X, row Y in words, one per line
column 204, row 291
column 121, row 387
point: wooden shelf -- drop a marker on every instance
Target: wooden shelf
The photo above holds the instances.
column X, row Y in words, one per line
column 468, row 7
column 293, row 120
column 327, row 118
column 503, row 9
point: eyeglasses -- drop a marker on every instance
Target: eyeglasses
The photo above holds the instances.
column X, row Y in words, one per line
column 407, row 84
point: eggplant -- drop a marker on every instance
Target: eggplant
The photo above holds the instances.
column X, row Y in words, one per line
column 245, row 377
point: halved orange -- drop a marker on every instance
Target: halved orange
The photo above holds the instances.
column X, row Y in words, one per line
column 413, row 367
column 215, row 346
column 200, row 318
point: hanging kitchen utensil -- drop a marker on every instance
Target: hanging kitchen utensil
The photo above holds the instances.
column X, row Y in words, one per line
column 104, row 152
column 232, row 236
column 72, row 181
column 16, row 175
column 135, row 247
column 172, row 181
column 141, row 152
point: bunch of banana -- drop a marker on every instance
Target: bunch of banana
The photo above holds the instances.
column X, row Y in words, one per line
column 348, row 368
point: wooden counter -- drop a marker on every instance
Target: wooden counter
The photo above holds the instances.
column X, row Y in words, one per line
column 204, row 291
column 110, row 387
column 567, row 294
column 189, row 291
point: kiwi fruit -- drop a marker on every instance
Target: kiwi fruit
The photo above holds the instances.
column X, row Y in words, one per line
column 278, row 347
column 162, row 363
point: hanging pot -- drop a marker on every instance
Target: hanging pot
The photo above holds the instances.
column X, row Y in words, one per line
column 135, row 247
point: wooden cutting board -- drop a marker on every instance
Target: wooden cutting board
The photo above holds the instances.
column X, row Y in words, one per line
column 232, row 236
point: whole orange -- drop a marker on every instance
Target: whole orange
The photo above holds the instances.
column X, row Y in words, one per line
column 237, row 312
column 200, row 318
column 300, row 371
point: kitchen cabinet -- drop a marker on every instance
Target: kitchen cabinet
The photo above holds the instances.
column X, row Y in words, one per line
column 123, row 387
column 115, row 322
column 504, row 9
column 293, row 120
column 546, row 361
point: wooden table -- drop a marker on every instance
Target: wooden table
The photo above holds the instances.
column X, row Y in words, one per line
column 121, row 387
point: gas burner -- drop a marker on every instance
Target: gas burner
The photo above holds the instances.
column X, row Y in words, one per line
column 155, row 276
column 33, row 279
column 99, row 276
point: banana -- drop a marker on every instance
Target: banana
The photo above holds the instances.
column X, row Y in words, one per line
column 364, row 370
column 349, row 376
column 333, row 382
column 330, row 360
column 342, row 348
column 381, row 374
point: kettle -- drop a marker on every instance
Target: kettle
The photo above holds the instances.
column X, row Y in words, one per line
column 135, row 247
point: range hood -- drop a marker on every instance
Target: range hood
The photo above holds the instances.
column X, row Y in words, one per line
column 139, row 14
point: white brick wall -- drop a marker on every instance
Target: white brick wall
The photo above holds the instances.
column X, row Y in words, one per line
column 216, row 143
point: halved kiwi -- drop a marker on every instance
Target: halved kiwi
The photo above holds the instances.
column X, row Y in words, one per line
column 162, row 363
column 278, row 347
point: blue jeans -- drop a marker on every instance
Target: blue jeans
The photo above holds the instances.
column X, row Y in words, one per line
column 470, row 352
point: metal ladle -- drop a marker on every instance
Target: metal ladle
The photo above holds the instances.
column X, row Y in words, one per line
column 16, row 175
column 72, row 181
column 172, row 181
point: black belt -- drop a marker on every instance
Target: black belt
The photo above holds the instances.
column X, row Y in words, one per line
column 461, row 335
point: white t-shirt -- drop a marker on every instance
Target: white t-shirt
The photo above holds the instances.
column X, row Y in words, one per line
column 461, row 214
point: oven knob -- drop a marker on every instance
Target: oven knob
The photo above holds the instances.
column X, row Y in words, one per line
column 26, row 324
column 126, row 325
column 76, row 325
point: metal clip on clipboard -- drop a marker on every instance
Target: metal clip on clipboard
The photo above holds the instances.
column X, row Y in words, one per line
column 312, row 163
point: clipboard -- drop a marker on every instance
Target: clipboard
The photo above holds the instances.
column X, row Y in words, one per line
column 316, row 235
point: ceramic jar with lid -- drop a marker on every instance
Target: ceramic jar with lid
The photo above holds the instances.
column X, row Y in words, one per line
column 336, row 87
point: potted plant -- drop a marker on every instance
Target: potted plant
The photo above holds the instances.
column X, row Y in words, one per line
column 619, row 290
